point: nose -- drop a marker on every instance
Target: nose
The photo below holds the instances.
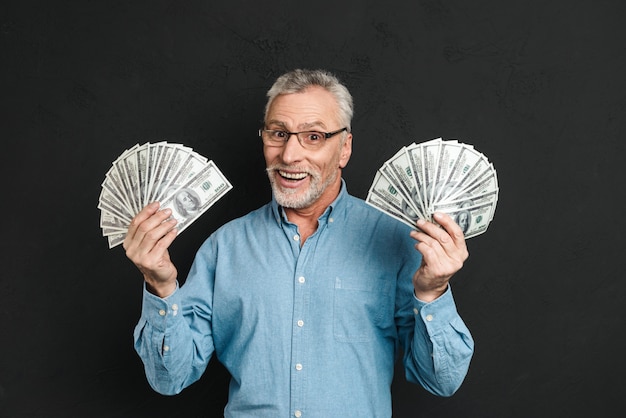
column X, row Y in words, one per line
column 292, row 150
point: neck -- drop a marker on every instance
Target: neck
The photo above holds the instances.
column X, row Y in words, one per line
column 307, row 218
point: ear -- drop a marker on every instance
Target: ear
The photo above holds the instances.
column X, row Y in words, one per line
column 346, row 151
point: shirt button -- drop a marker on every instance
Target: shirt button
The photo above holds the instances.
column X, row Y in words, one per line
column 301, row 279
column 300, row 323
column 297, row 414
column 174, row 307
column 429, row 318
column 298, row 367
column 416, row 311
column 296, row 237
column 331, row 220
column 162, row 312
column 166, row 348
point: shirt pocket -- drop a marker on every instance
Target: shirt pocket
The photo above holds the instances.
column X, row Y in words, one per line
column 361, row 308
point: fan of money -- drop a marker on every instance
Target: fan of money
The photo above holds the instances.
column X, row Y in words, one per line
column 173, row 174
column 437, row 176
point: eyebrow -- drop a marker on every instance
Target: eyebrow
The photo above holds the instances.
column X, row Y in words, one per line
column 303, row 126
column 316, row 124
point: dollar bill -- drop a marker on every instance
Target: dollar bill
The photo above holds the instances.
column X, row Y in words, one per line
column 473, row 220
column 197, row 195
column 192, row 165
column 113, row 183
column 437, row 176
column 154, row 151
column 421, row 157
column 449, row 153
column 430, row 159
column 116, row 239
column 484, row 182
column 384, row 195
column 107, row 202
column 399, row 168
column 173, row 174
column 177, row 157
column 142, row 164
column 111, row 224
column 126, row 166
column 463, row 162
column 163, row 159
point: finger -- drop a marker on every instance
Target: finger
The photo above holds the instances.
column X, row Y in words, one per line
column 153, row 230
column 455, row 232
column 423, row 237
column 435, row 237
column 430, row 248
column 167, row 239
column 149, row 221
column 438, row 261
column 145, row 213
column 150, row 250
column 428, row 231
column 452, row 228
column 431, row 252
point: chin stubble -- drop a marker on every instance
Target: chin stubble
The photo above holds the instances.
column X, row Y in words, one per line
column 289, row 198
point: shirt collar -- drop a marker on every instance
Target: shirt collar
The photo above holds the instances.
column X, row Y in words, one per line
column 337, row 206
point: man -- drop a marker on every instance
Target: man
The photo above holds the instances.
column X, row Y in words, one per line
column 307, row 300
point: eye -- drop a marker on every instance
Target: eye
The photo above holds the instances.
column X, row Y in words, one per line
column 314, row 136
column 279, row 134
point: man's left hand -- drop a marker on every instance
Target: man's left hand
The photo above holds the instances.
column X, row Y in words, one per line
column 443, row 253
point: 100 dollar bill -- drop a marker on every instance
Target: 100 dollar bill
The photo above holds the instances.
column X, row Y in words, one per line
column 197, row 195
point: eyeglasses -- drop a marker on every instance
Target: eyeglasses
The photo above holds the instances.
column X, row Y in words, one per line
column 307, row 139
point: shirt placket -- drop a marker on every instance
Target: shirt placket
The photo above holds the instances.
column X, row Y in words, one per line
column 301, row 295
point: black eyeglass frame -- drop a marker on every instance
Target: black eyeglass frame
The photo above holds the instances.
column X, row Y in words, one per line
column 325, row 135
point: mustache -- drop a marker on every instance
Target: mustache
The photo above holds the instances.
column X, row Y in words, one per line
column 293, row 169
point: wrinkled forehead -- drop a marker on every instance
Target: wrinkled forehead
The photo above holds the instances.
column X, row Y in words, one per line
column 313, row 108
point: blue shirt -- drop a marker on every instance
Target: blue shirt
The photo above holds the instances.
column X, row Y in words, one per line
column 311, row 330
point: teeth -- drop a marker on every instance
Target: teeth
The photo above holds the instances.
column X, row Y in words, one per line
column 293, row 176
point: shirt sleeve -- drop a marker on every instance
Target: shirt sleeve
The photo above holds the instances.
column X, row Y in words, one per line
column 174, row 335
column 438, row 351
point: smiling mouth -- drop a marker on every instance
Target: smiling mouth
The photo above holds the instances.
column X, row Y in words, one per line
column 292, row 176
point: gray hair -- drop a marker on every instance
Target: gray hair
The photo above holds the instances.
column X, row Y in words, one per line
column 297, row 81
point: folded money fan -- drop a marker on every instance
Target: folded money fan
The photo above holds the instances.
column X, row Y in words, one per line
column 437, row 176
column 173, row 174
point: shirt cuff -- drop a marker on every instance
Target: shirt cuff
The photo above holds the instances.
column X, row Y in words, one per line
column 161, row 312
column 437, row 314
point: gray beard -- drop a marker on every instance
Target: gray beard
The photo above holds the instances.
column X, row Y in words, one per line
column 289, row 199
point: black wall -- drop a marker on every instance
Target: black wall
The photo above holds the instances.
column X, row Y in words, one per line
column 537, row 86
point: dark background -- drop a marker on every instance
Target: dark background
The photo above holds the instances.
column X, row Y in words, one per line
column 537, row 86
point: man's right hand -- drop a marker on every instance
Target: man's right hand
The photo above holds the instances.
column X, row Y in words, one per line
column 149, row 235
